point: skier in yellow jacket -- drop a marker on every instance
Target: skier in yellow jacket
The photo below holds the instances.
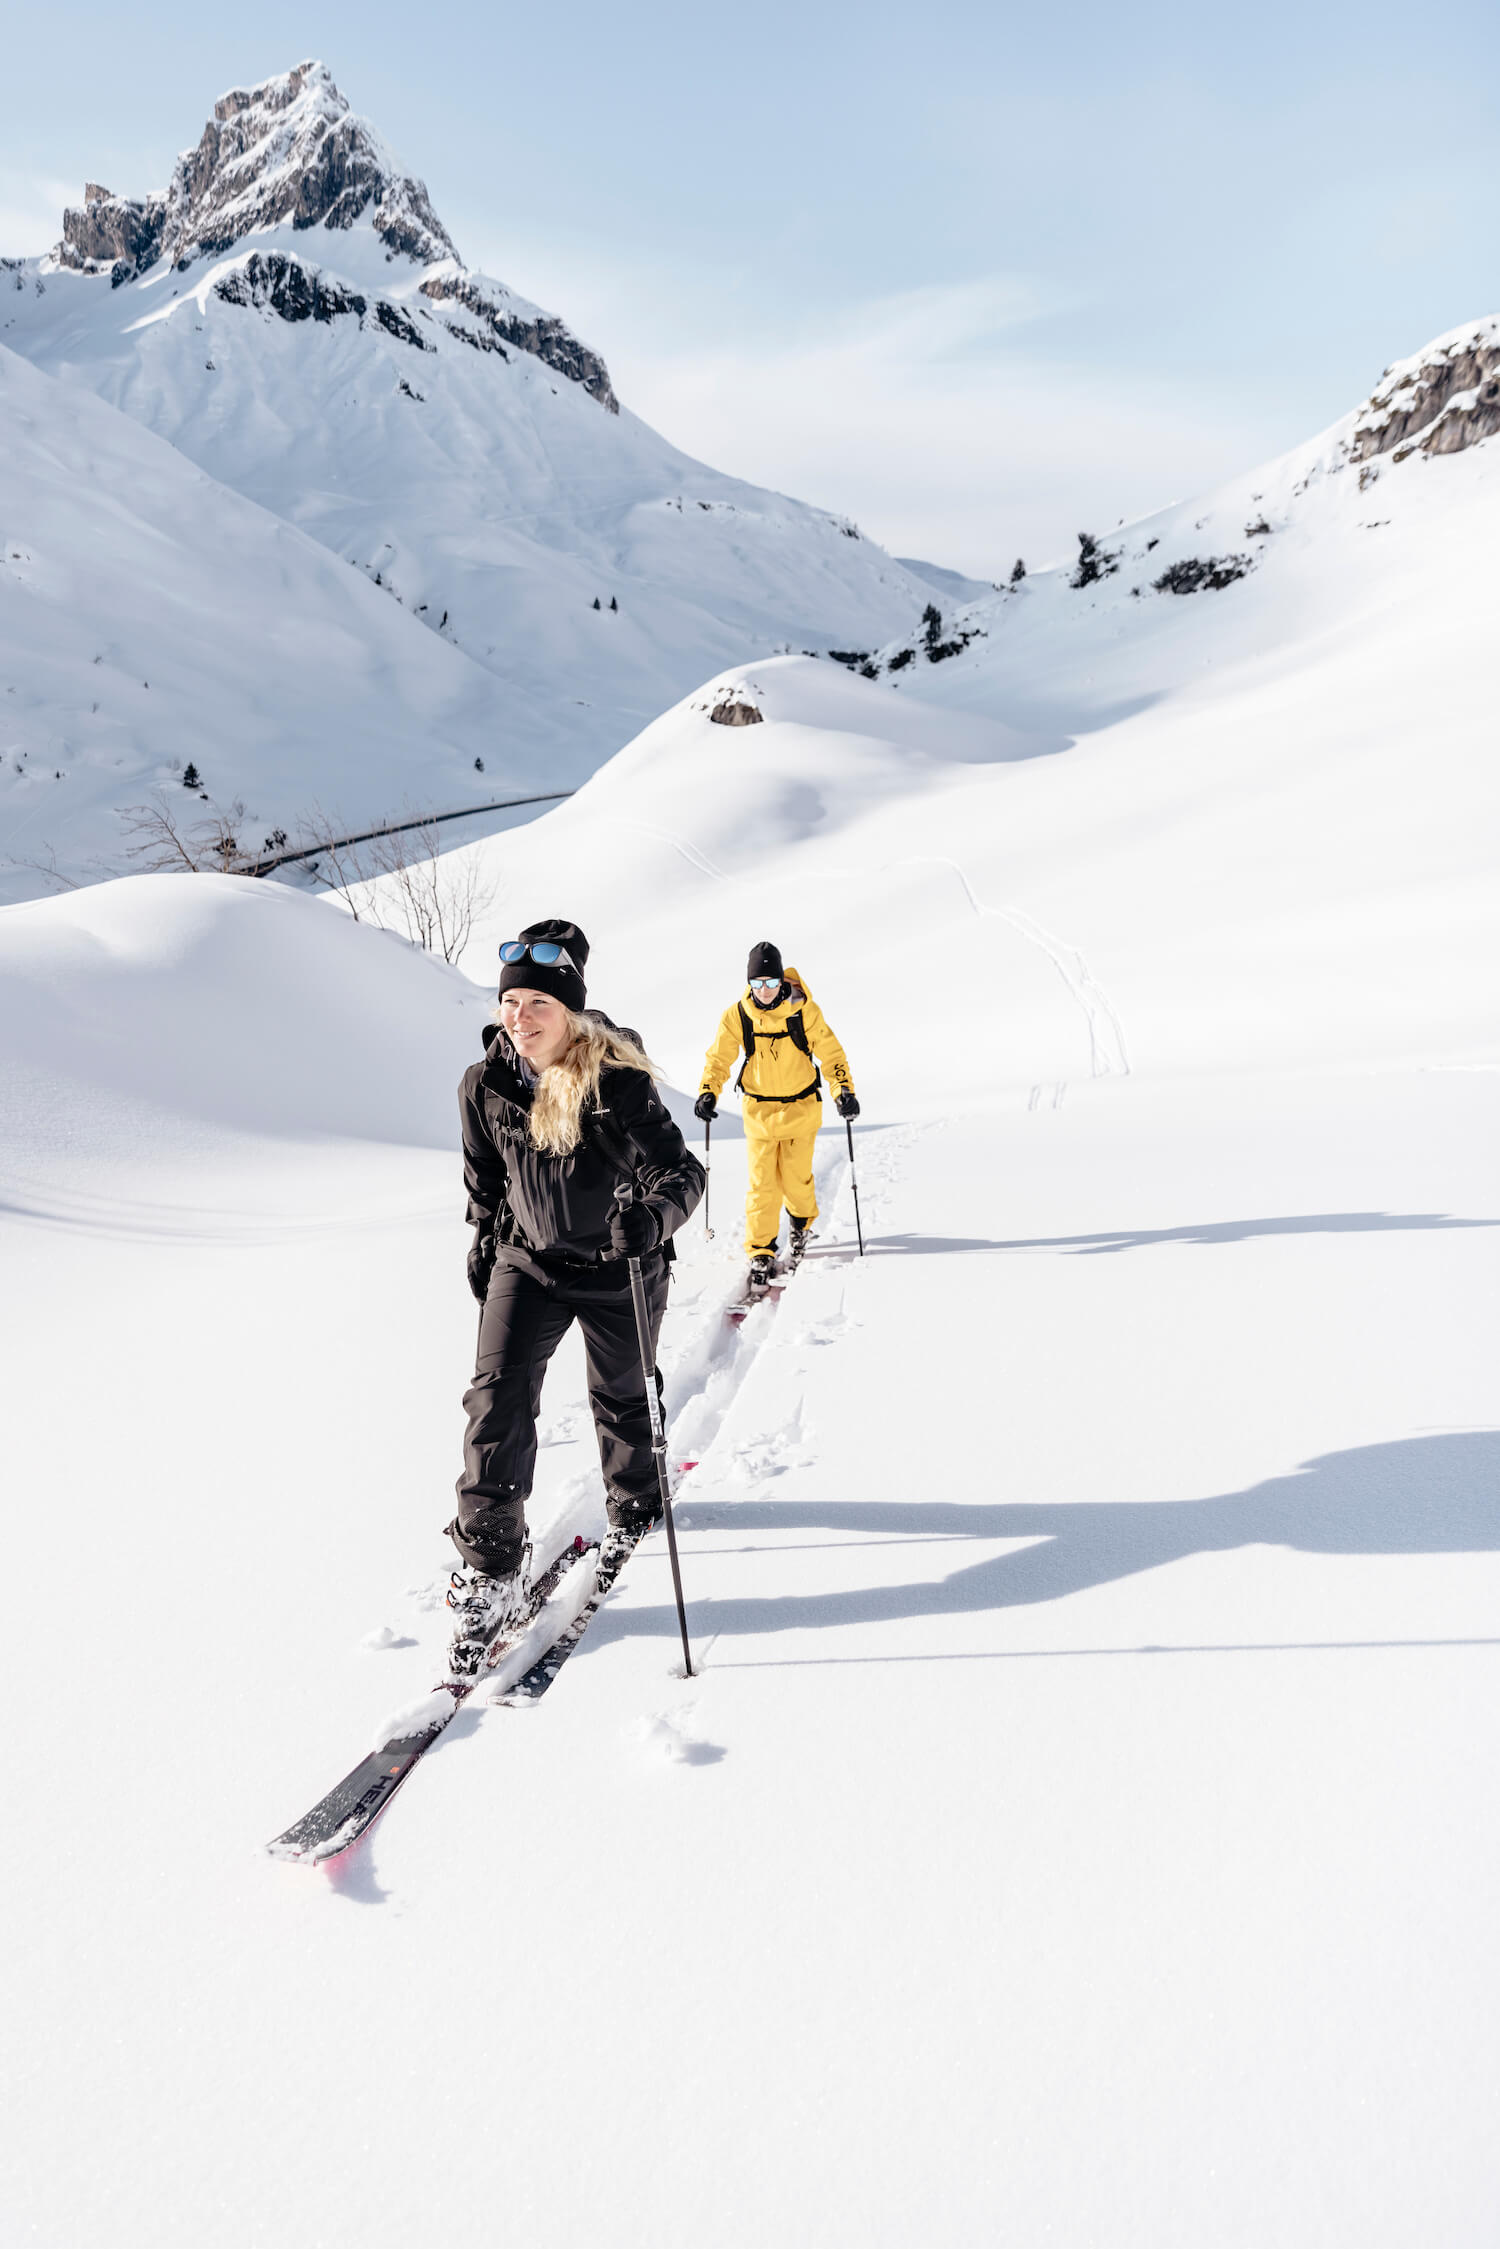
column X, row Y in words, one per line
column 778, row 1034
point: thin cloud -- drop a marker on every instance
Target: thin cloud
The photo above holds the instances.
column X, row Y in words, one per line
column 933, row 416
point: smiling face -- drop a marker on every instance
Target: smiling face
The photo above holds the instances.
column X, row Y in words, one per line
column 537, row 1026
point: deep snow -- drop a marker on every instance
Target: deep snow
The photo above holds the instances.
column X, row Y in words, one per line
column 1073, row 1830
column 1078, row 1829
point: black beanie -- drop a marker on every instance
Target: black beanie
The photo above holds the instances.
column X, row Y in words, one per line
column 765, row 960
column 564, row 983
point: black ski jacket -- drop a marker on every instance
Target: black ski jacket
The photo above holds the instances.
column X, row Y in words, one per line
column 557, row 1208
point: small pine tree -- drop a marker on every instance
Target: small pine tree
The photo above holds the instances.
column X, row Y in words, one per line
column 932, row 625
column 1094, row 562
column 596, row 601
column 190, row 777
column 479, row 765
column 1018, row 573
column 613, row 603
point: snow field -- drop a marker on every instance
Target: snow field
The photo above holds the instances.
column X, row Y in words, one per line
column 1075, row 1820
column 1078, row 1827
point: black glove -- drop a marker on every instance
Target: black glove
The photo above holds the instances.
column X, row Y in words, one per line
column 846, row 1104
column 634, row 1228
column 704, row 1108
column 481, row 1264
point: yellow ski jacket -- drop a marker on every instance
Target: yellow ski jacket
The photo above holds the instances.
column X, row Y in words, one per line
column 780, row 1084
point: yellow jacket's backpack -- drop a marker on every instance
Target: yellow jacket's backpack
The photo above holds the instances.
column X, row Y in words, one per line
column 797, row 1034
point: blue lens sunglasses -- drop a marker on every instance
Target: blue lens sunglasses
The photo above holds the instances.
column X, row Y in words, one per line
column 539, row 949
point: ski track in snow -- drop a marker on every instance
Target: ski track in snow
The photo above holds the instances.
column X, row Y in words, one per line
column 711, row 1365
column 1108, row 1053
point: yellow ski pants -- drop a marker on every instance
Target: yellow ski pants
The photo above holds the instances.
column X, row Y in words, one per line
column 780, row 1167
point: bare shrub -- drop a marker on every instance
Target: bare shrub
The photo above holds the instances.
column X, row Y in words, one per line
column 437, row 896
column 166, row 844
column 399, row 878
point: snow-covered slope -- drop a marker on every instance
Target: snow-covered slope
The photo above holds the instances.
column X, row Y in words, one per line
column 1392, row 507
column 1254, row 823
column 1092, row 1590
column 291, row 314
column 151, row 619
column 1093, row 1586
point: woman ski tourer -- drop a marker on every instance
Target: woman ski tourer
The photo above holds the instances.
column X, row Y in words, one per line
column 778, row 1034
column 561, row 1112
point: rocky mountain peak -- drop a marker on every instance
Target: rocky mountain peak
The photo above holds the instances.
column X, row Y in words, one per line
column 287, row 152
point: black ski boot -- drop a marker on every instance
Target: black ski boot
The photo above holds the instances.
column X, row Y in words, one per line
column 484, row 1609
column 629, row 1522
column 801, row 1235
column 761, row 1274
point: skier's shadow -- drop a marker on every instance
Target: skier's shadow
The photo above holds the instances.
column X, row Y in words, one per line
column 1217, row 1231
column 1416, row 1495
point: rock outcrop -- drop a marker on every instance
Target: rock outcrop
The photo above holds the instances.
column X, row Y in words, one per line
column 1443, row 402
column 288, row 288
column 112, row 232
column 501, row 320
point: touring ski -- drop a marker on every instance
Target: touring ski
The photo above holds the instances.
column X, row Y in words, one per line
column 351, row 1809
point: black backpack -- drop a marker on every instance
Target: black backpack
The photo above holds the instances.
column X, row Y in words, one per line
column 798, row 1036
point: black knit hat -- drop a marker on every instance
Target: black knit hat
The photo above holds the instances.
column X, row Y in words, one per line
column 765, row 960
column 564, row 983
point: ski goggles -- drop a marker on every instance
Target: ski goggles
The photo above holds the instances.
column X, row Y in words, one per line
column 766, row 983
column 542, row 950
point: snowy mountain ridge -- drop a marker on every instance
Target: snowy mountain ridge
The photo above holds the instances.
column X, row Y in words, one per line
column 1444, row 399
column 291, row 315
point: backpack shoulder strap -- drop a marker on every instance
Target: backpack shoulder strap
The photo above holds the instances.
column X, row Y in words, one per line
column 797, row 1034
column 747, row 1036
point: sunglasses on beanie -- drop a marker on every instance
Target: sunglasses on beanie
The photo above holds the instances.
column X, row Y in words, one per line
column 542, row 950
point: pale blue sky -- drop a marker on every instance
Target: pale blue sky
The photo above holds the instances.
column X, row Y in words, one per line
column 982, row 279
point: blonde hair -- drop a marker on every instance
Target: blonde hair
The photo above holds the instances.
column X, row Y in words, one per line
column 571, row 1084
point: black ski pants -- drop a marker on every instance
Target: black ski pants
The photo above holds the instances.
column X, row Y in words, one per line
column 525, row 1317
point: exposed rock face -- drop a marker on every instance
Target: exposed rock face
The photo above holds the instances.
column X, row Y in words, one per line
column 1442, row 405
column 291, row 153
column 1203, row 573
column 291, row 150
column 735, row 714
column 112, row 231
column 288, row 288
column 541, row 334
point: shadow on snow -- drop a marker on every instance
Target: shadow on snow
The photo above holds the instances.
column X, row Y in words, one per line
column 1416, row 1495
column 1220, row 1230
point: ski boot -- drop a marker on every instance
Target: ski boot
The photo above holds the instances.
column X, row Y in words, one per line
column 761, row 1274
column 484, row 1608
column 801, row 1235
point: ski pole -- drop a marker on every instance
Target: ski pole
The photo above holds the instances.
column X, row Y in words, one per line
column 624, row 1195
column 708, row 1178
column 854, row 1183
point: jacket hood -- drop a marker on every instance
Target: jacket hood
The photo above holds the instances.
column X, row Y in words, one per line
column 794, row 995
